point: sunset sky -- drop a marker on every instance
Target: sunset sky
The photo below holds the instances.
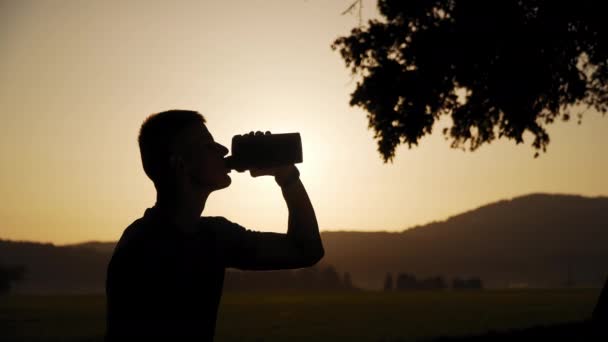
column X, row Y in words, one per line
column 77, row 78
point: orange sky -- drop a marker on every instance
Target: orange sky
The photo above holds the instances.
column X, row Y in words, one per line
column 77, row 78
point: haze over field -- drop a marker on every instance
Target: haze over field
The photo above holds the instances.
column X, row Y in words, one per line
column 78, row 78
column 540, row 240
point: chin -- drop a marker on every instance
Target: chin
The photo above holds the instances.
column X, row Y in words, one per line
column 224, row 183
column 215, row 183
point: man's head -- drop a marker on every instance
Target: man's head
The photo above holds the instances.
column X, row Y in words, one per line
column 177, row 150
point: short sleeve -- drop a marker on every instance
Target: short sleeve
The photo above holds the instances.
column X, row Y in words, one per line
column 251, row 250
column 247, row 249
column 235, row 243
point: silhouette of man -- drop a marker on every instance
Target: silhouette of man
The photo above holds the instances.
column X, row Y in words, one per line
column 166, row 275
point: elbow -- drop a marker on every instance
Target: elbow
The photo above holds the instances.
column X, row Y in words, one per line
column 307, row 253
column 319, row 256
column 314, row 256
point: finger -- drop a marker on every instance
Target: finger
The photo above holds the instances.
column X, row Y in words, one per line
column 259, row 133
column 254, row 172
column 251, row 133
column 268, row 132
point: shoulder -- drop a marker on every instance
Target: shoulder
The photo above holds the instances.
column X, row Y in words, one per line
column 133, row 236
column 219, row 223
column 221, row 227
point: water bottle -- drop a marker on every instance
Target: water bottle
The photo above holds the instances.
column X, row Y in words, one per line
column 264, row 151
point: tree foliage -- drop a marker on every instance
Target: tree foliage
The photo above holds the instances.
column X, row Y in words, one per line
column 498, row 68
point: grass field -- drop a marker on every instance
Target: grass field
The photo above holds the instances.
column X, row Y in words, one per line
column 356, row 316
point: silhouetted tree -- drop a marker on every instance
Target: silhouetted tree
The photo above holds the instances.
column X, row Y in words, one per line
column 457, row 283
column 498, row 68
column 330, row 278
column 474, row 283
column 433, row 283
column 8, row 276
column 309, row 279
column 388, row 282
column 406, row 282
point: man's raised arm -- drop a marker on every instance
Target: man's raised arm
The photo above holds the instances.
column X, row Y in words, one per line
column 302, row 229
column 300, row 247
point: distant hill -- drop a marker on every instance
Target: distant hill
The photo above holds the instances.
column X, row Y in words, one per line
column 537, row 240
column 56, row 269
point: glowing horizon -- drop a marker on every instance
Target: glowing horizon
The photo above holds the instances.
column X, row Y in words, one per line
column 78, row 79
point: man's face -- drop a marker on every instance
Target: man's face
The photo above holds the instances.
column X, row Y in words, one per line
column 203, row 158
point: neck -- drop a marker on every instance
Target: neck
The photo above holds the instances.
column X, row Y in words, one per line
column 183, row 209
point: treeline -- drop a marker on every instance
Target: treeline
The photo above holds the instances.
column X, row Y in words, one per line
column 318, row 278
column 9, row 275
column 405, row 281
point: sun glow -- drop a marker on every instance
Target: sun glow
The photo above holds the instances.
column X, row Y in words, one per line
column 75, row 90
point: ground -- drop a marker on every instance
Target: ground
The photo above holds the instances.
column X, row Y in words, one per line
column 347, row 316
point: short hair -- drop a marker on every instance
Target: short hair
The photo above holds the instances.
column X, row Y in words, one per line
column 157, row 136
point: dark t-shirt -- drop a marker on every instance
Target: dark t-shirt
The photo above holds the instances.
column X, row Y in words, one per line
column 163, row 283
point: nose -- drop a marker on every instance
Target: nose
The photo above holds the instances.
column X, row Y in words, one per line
column 222, row 149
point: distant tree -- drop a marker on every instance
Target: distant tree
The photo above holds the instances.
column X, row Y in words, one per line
column 309, row 279
column 433, row 283
column 388, row 282
column 406, row 282
column 498, row 68
column 330, row 278
column 457, row 283
column 8, row 276
column 474, row 283
column 348, row 282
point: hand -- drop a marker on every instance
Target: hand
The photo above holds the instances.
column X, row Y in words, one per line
column 278, row 172
column 284, row 175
